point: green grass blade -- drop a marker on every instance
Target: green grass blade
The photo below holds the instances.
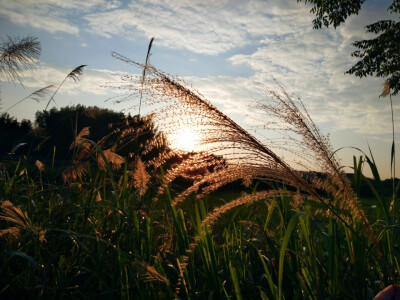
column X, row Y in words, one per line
column 235, row 281
column 267, row 274
column 288, row 233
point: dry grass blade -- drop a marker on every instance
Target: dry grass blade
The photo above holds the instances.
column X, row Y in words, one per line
column 386, row 89
column 16, row 55
column 149, row 272
column 76, row 171
column 113, row 158
column 80, row 138
column 244, row 199
column 13, row 214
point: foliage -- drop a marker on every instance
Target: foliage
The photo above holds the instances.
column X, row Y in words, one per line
column 13, row 133
column 70, row 121
column 379, row 56
column 333, row 12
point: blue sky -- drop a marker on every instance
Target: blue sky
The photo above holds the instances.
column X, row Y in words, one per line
column 220, row 47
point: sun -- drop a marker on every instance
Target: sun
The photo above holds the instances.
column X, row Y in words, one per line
column 185, row 139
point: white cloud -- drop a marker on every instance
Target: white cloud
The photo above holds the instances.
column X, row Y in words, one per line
column 312, row 63
column 36, row 15
column 207, row 27
column 232, row 95
column 272, row 38
column 51, row 15
column 92, row 81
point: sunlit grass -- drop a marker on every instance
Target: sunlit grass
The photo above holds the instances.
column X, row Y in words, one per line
column 130, row 218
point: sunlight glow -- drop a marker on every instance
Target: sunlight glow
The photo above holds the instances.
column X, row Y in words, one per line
column 185, row 139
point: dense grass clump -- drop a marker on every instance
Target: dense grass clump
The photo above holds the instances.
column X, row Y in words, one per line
column 88, row 240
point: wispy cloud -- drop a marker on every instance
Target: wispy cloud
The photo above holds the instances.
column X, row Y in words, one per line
column 233, row 95
column 92, row 81
column 36, row 15
column 312, row 63
column 266, row 38
column 206, row 27
column 52, row 15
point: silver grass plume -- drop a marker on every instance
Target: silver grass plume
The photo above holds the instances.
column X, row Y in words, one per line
column 75, row 75
column 17, row 55
column 176, row 105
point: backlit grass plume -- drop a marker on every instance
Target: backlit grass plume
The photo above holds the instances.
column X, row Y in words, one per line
column 18, row 221
column 318, row 176
column 131, row 141
column 17, row 55
column 176, row 105
column 140, row 177
column 75, row 75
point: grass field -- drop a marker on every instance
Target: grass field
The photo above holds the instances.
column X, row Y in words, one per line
column 97, row 237
column 126, row 217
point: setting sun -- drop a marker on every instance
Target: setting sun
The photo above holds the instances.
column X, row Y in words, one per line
column 185, row 139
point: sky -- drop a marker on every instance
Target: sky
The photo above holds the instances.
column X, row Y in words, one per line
column 219, row 47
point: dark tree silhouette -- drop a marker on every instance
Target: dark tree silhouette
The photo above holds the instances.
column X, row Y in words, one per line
column 14, row 133
column 126, row 135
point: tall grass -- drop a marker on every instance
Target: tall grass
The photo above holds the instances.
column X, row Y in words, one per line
column 123, row 227
column 248, row 158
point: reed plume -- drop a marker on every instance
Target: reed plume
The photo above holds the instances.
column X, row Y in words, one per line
column 140, row 177
column 75, row 75
column 316, row 174
column 148, row 272
column 133, row 140
column 242, row 200
column 113, row 159
column 177, row 105
column 386, row 89
column 13, row 214
column 20, row 222
column 17, row 55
